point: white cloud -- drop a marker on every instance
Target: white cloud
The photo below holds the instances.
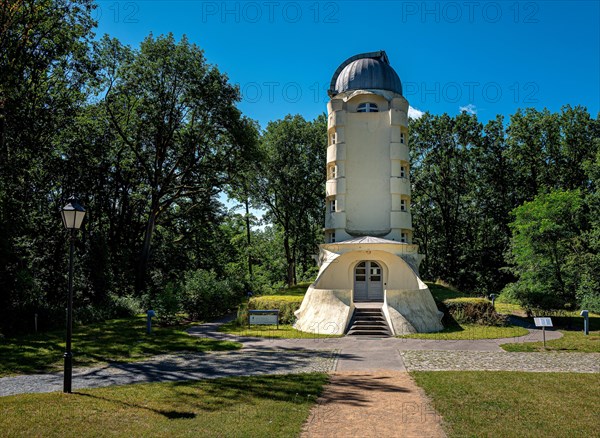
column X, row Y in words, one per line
column 469, row 109
column 414, row 113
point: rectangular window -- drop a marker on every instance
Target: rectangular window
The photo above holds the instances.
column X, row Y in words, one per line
column 402, row 205
column 332, row 237
column 332, row 206
column 332, row 138
column 403, row 237
column 332, row 172
column 402, row 172
column 402, row 137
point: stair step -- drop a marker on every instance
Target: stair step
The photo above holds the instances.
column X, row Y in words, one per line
column 369, row 322
column 372, row 322
column 369, row 327
column 368, row 333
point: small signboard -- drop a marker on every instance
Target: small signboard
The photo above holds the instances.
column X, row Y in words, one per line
column 543, row 322
column 264, row 317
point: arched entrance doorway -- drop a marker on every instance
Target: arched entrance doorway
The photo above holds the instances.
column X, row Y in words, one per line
column 368, row 281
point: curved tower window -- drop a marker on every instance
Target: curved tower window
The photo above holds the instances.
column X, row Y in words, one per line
column 402, row 171
column 367, row 107
column 332, row 171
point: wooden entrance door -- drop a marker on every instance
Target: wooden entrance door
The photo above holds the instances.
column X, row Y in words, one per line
column 368, row 281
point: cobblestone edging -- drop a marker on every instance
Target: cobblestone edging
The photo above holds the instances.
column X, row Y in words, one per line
column 500, row 361
column 177, row 367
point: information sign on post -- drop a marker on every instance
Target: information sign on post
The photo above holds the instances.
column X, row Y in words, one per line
column 263, row 317
column 543, row 323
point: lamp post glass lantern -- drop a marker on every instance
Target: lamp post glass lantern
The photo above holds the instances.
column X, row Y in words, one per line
column 72, row 216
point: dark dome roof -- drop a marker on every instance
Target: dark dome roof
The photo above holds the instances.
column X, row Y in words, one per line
column 367, row 71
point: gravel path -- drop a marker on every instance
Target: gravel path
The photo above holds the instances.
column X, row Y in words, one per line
column 373, row 404
column 492, row 361
column 174, row 367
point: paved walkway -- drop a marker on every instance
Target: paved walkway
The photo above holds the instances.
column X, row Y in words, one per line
column 346, row 354
column 372, row 354
column 174, row 367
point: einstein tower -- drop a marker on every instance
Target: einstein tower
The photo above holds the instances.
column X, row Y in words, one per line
column 368, row 282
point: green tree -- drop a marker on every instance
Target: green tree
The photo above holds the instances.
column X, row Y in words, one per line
column 290, row 183
column 441, row 173
column 545, row 237
column 177, row 115
column 44, row 71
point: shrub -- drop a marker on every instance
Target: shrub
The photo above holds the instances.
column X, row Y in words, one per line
column 591, row 303
column 126, row 305
column 167, row 304
column 474, row 311
column 507, row 297
column 205, row 296
column 310, row 275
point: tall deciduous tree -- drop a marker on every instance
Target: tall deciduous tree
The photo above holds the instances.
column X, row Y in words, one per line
column 44, row 68
column 290, row 183
column 177, row 115
column 545, row 233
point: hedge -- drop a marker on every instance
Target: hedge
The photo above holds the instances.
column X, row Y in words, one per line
column 287, row 305
column 473, row 310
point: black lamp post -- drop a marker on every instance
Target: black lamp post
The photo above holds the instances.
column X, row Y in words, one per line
column 72, row 216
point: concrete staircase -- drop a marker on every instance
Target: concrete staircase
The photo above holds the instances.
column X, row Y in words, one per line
column 369, row 321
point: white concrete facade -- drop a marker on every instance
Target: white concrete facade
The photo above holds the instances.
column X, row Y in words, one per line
column 368, row 220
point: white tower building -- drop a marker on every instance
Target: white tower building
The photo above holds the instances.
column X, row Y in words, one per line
column 369, row 261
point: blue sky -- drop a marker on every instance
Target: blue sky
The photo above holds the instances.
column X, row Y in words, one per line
column 490, row 57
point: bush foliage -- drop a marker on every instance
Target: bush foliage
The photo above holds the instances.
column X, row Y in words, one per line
column 203, row 295
column 473, row 310
column 287, row 305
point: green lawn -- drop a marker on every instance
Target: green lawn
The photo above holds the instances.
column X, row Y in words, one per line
column 470, row 332
column 270, row 331
column 263, row 406
column 298, row 290
column 113, row 340
column 570, row 342
column 514, row 404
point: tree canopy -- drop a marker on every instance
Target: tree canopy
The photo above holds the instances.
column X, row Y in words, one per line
column 153, row 142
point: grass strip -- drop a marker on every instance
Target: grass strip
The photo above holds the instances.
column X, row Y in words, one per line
column 284, row 331
column 258, row 406
column 470, row 332
column 571, row 342
column 514, row 404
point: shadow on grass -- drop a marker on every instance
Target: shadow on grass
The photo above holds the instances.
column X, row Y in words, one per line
column 185, row 400
column 298, row 388
column 114, row 340
column 171, row 415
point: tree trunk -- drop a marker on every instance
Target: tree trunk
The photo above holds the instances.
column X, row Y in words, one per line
column 145, row 254
column 3, row 147
column 294, row 258
column 249, row 239
column 289, row 259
